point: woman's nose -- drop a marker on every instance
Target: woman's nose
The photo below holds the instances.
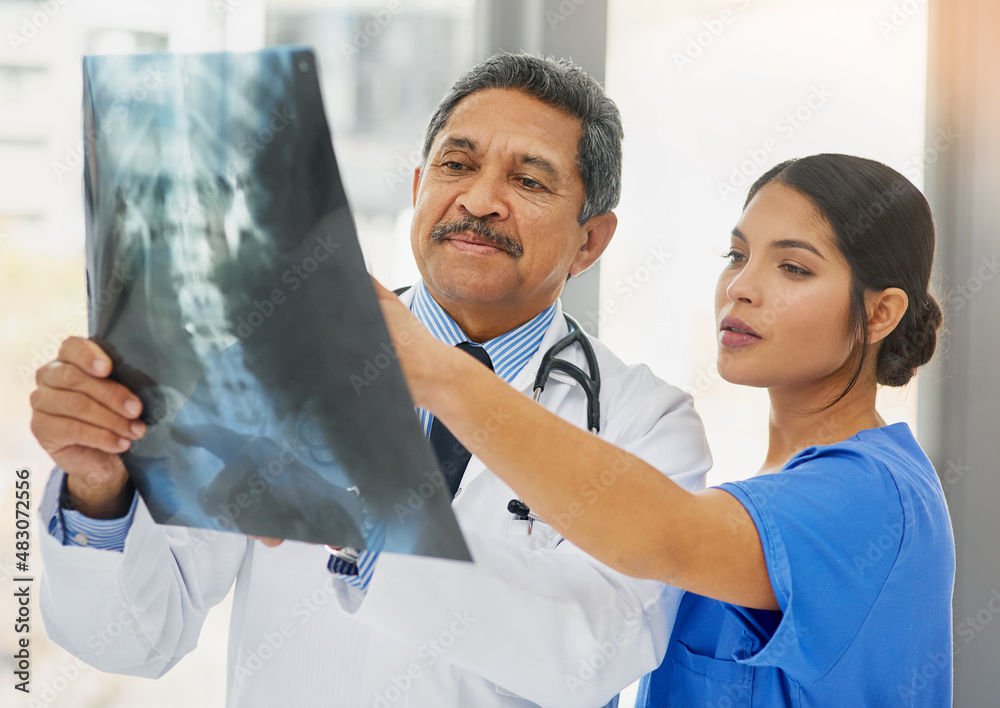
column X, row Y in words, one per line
column 743, row 287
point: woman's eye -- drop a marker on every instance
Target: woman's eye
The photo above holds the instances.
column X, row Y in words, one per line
column 734, row 257
column 794, row 269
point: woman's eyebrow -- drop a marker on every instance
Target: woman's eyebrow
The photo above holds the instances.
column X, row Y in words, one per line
column 783, row 243
column 792, row 243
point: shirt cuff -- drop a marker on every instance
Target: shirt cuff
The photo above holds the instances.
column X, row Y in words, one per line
column 359, row 574
column 71, row 528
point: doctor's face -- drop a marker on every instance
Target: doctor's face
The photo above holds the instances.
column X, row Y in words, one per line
column 496, row 207
column 782, row 303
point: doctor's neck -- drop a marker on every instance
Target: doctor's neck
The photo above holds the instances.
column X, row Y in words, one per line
column 800, row 418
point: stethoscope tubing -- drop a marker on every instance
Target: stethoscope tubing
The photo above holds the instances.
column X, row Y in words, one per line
column 591, row 383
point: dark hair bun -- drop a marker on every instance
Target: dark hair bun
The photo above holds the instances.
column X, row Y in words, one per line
column 911, row 344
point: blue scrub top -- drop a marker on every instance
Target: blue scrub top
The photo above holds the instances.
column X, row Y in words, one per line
column 861, row 557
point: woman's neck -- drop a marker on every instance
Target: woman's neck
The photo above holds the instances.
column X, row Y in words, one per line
column 797, row 421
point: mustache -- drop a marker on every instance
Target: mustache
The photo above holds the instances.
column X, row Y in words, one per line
column 480, row 228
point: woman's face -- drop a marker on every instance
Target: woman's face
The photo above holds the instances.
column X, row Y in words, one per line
column 782, row 304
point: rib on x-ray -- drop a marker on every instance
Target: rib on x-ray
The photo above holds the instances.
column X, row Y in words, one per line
column 226, row 282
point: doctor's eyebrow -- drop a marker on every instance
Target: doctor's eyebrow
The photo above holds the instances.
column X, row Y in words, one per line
column 783, row 243
column 541, row 163
column 459, row 143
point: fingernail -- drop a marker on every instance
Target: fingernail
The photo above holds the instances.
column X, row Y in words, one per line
column 132, row 406
column 138, row 429
column 123, row 443
column 101, row 367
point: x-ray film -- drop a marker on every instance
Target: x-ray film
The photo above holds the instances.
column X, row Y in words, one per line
column 226, row 282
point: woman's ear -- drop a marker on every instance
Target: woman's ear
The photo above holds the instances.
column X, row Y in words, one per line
column 885, row 309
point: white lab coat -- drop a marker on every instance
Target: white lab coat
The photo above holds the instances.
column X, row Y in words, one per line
column 534, row 621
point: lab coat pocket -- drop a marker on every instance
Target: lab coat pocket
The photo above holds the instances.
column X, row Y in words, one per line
column 542, row 536
column 727, row 682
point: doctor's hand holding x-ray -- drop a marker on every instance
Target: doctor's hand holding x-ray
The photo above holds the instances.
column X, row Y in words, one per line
column 521, row 171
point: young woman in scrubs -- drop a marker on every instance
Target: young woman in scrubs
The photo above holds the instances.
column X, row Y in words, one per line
column 826, row 578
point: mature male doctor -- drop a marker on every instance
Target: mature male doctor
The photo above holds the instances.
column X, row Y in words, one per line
column 520, row 172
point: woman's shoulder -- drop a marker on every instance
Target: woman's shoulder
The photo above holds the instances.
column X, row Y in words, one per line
column 874, row 475
column 891, row 449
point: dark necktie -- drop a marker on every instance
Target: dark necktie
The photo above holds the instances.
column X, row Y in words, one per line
column 451, row 454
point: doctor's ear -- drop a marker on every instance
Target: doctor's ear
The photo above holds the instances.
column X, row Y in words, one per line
column 416, row 184
column 599, row 230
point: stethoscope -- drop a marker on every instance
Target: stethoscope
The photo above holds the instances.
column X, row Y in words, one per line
column 590, row 382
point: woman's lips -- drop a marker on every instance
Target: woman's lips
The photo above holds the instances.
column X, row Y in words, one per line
column 734, row 332
column 729, row 338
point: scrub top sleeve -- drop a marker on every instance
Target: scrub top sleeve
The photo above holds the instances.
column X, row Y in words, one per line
column 831, row 525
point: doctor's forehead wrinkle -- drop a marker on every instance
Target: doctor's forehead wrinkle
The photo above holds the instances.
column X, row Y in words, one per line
column 783, row 243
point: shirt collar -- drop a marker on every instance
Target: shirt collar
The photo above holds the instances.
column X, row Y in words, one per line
column 509, row 352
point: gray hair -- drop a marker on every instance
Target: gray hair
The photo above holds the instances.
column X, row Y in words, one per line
column 566, row 87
